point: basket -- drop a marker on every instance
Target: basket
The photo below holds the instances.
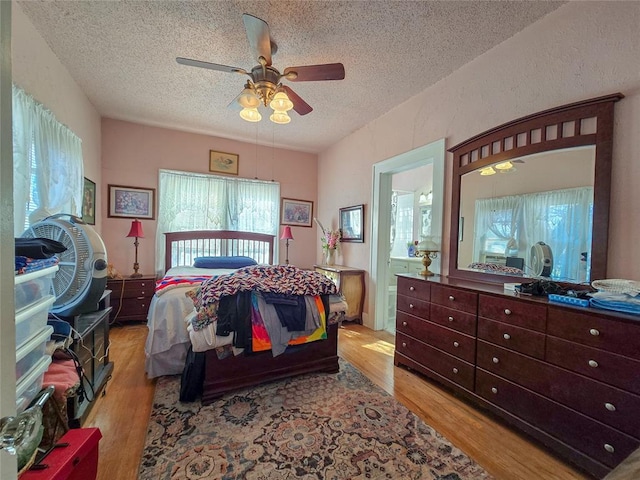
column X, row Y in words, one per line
column 616, row 285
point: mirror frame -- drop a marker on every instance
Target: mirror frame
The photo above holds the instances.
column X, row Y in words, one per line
column 554, row 129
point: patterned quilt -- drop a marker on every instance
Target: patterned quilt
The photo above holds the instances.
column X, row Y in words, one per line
column 265, row 278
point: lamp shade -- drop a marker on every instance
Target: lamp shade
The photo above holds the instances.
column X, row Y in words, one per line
column 286, row 233
column 428, row 245
column 136, row 229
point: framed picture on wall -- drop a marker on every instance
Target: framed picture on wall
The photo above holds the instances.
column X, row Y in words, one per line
column 222, row 162
column 296, row 212
column 352, row 224
column 131, row 202
column 89, row 202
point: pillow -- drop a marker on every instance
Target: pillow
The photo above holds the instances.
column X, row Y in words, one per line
column 223, row 262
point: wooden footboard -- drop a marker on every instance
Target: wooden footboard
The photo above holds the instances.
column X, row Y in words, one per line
column 231, row 373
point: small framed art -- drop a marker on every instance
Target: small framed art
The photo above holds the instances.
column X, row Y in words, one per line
column 296, row 212
column 352, row 224
column 89, row 202
column 131, row 202
column 222, row 162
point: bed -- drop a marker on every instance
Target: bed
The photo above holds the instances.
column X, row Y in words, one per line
column 171, row 311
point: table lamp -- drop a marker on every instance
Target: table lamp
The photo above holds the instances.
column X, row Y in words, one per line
column 136, row 231
column 286, row 235
column 428, row 249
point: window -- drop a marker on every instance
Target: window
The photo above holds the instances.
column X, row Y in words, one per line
column 192, row 201
column 47, row 158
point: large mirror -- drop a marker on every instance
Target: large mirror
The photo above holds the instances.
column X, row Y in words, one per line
column 531, row 197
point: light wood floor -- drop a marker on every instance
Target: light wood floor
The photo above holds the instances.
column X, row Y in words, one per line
column 122, row 413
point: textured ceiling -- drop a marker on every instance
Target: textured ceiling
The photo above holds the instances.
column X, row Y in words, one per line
column 122, row 54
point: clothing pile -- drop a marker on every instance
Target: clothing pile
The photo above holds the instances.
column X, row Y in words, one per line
column 34, row 254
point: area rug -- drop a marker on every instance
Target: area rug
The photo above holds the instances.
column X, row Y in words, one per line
column 315, row 426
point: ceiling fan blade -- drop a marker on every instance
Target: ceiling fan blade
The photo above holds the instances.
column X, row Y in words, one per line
column 311, row 73
column 210, row 66
column 299, row 105
column 235, row 105
column 258, row 35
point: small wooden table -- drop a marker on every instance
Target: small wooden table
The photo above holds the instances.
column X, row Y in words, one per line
column 350, row 283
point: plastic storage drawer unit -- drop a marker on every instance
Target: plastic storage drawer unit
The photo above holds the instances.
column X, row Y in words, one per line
column 31, row 352
column 32, row 287
column 31, row 320
column 31, row 384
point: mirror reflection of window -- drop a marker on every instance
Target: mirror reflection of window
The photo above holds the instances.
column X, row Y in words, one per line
column 403, row 227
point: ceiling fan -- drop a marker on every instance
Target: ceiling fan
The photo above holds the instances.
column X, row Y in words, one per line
column 264, row 85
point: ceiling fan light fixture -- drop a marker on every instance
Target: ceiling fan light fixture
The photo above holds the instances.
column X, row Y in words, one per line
column 250, row 114
column 281, row 118
column 281, row 102
column 487, row 171
column 505, row 166
column 248, row 98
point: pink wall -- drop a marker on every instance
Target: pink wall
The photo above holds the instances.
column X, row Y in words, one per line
column 132, row 154
column 580, row 51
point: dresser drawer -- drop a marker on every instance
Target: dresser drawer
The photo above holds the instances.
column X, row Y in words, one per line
column 600, row 442
column 596, row 331
column 516, row 312
column 455, row 298
column 416, row 307
column 451, row 341
column 595, row 399
column 132, row 307
column 519, row 339
column 622, row 372
column 414, row 288
column 143, row 287
column 448, row 366
column 455, row 319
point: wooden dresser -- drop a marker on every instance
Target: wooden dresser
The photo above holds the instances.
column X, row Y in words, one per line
column 350, row 283
column 568, row 376
column 130, row 298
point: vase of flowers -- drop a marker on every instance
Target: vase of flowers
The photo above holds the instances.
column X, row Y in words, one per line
column 330, row 243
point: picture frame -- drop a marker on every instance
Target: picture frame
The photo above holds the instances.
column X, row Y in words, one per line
column 352, row 224
column 295, row 212
column 224, row 162
column 89, row 202
column 132, row 202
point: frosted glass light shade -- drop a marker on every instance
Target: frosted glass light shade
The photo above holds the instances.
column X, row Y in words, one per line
column 281, row 103
column 248, row 99
column 280, row 117
column 487, row 171
column 250, row 114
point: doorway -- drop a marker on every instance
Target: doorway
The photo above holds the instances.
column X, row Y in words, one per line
column 383, row 300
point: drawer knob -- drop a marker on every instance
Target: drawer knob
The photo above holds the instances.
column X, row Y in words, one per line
column 495, row 360
column 404, row 324
column 451, row 319
column 609, row 448
column 455, row 370
column 456, row 344
column 404, row 344
column 411, row 305
column 142, row 284
column 494, row 390
column 452, row 298
column 507, row 311
column 593, row 363
column 610, row 406
column 594, row 332
column 506, row 336
column 411, row 289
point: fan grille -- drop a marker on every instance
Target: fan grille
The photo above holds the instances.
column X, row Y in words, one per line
column 72, row 277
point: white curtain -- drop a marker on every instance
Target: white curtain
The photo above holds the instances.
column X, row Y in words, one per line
column 193, row 201
column 48, row 166
column 560, row 218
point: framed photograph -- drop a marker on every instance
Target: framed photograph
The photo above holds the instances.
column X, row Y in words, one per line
column 223, row 162
column 352, row 224
column 296, row 212
column 89, row 202
column 132, row 202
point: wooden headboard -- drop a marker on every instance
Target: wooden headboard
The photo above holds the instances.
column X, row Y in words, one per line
column 181, row 248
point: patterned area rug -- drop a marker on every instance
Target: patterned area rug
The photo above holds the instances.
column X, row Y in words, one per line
column 315, row 426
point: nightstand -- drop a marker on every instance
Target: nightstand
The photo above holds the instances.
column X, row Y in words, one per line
column 130, row 298
column 350, row 283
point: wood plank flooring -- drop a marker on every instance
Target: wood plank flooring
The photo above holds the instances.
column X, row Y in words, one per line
column 123, row 412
